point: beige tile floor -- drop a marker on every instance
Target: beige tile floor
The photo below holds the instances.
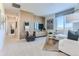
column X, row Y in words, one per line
column 23, row 48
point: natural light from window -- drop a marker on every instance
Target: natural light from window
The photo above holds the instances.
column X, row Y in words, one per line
column 62, row 24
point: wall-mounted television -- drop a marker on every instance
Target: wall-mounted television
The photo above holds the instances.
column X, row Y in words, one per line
column 26, row 23
column 41, row 26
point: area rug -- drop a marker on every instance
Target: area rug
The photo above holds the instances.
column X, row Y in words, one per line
column 54, row 47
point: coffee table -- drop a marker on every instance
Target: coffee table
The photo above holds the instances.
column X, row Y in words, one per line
column 51, row 44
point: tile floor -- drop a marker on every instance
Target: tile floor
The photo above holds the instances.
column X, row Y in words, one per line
column 23, row 48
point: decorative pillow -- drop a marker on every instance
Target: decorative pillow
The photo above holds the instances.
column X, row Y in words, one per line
column 72, row 36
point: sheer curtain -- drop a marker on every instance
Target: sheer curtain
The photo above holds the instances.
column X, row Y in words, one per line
column 60, row 22
column 63, row 25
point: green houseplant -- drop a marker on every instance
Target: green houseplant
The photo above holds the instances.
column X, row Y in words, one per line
column 50, row 33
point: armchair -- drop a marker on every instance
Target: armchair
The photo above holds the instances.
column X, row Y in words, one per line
column 30, row 37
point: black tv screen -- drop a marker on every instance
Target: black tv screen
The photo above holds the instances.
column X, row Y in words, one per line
column 41, row 26
column 26, row 23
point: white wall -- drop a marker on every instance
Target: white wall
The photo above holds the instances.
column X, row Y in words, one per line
column 2, row 36
column 2, row 28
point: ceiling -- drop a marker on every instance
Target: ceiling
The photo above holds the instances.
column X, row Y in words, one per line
column 42, row 9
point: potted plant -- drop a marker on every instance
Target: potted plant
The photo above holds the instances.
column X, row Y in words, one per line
column 50, row 33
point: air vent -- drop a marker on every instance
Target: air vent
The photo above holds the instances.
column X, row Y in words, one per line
column 16, row 5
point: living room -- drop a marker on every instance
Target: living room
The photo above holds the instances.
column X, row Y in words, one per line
column 24, row 21
column 52, row 28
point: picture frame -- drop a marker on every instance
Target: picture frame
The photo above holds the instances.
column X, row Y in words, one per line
column 50, row 24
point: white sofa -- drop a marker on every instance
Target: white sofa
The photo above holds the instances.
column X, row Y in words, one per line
column 69, row 47
column 38, row 33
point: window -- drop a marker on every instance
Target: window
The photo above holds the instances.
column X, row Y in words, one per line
column 60, row 22
column 69, row 26
column 63, row 24
column 36, row 26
